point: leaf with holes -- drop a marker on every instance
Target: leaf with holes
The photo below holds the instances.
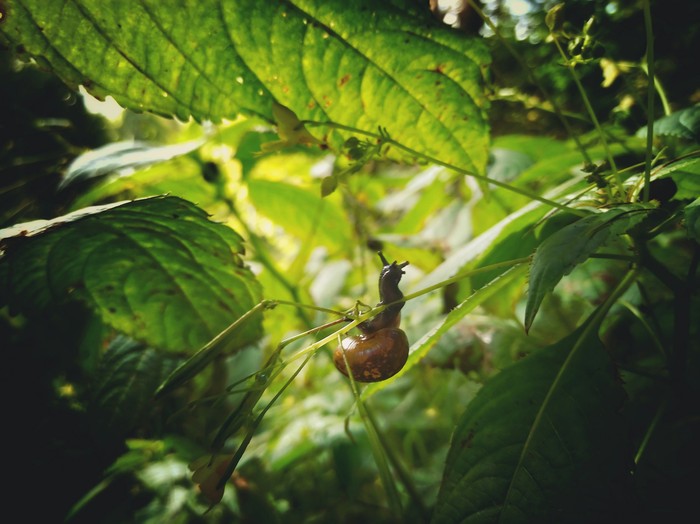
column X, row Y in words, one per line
column 359, row 63
column 155, row 269
column 543, row 441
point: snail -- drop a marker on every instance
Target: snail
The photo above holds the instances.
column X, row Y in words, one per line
column 382, row 349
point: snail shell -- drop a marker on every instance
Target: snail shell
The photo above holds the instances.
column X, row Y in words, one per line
column 373, row 357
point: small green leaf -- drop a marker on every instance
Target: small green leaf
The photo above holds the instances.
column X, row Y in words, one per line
column 155, row 269
column 573, row 244
column 682, row 124
column 329, row 185
column 543, row 441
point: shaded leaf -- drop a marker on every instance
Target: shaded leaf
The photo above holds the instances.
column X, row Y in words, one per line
column 353, row 63
column 156, row 269
column 573, row 244
column 123, row 385
column 543, row 441
column 682, row 124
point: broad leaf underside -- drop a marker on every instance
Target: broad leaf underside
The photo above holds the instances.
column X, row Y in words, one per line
column 360, row 63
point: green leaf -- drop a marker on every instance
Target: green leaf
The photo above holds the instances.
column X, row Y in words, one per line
column 682, row 124
column 542, row 441
column 361, row 63
column 181, row 176
column 302, row 213
column 155, row 269
column 123, row 385
column 573, row 244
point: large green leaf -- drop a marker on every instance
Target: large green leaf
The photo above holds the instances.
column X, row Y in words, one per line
column 357, row 62
column 156, row 269
column 543, row 441
column 573, row 244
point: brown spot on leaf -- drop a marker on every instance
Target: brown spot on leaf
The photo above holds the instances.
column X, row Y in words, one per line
column 439, row 69
column 344, row 80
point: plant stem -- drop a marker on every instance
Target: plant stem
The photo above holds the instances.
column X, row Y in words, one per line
column 650, row 430
column 650, row 99
column 468, row 273
column 528, row 71
column 591, row 113
column 254, row 426
column 400, row 470
column 388, row 140
column 659, row 91
column 376, row 445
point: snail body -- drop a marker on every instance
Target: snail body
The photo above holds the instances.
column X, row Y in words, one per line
column 382, row 349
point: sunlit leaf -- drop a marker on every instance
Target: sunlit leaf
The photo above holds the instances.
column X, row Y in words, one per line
column 543, row 441
column 302, row 213
column 156, row 269
column 421, row 347
column 363, row 64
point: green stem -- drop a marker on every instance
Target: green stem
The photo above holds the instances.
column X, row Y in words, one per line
column 659, row 91
column 400, row 470
column 591, row 114
column 309, row 306
column 533, row 79
column 650, row 99
column 378, row 450
column 650, row 430
column 378, row 309
column 465, row 274
column 254, row 426
column 388, row 140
